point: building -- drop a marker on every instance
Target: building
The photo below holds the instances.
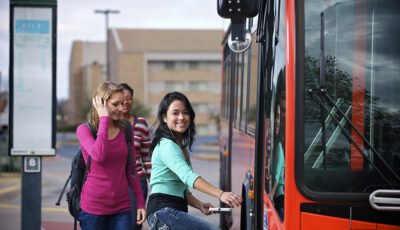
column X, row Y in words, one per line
column 86, row 71
column 155, row 62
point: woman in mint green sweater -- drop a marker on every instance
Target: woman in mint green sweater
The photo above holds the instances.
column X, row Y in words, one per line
column 172, row 172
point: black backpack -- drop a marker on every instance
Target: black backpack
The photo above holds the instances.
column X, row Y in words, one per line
column 79, row 170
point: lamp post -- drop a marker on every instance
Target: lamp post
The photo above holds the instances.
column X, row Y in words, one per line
column 106, row 12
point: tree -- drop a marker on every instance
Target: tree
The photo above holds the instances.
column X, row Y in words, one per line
column 140, row 109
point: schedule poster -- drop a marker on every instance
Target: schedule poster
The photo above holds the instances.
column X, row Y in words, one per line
column 32, row 81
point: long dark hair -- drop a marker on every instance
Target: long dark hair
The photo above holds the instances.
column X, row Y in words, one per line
column 162, row 130
column 127, row 87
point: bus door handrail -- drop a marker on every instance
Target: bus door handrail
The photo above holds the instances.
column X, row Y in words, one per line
column 324, row 94
column 332, row 139
column 317, row 137
column 385, row 200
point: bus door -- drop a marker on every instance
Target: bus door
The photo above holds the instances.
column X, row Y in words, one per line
column 226, row 125
column 275, row 97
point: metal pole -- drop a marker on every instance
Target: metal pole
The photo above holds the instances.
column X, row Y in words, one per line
column 44, row 15
column 106, row 12
column 31, row 194
column 107, row 51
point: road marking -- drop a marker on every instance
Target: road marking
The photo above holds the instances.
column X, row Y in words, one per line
column 43, row 209
column 55, row 209
column 206, row 156
column 9, row 189
column 8, row 206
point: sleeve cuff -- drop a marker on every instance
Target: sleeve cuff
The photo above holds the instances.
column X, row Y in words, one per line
column 104, row 119
column 192, row 179
column 103, row 125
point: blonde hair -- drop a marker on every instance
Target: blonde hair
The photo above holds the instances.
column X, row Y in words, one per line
column 105, row 90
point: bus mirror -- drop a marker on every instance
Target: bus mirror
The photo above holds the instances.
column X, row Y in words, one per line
column 240, row 39
column 238, row 46
column 237, row 8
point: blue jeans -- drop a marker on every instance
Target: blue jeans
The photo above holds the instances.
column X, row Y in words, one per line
column 143, row 184
column 118, row 221
column 172, row 219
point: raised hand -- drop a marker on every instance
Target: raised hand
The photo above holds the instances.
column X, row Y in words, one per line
column 231, row 199
column 100, row 106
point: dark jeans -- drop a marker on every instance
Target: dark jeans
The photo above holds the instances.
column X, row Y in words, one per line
column 143, row 184
column 118, row 221
column 279, row 205
column 172, row 219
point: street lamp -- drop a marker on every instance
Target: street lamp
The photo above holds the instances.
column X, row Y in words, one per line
column 106, row 12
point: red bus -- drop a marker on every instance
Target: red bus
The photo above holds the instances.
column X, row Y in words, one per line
column 310, row 114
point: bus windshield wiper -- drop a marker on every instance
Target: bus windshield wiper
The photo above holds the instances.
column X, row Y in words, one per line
column 322, row 85
column 324, row 94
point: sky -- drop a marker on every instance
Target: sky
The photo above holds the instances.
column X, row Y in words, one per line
column 77, row 21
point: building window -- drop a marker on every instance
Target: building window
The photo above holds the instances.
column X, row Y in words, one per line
column 175, row 86
column 179, row 65
column 193, row 64
column 198, row 86
column 169, row 65
column 200, row 108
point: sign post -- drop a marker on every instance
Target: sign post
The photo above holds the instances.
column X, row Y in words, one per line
column 33, row 25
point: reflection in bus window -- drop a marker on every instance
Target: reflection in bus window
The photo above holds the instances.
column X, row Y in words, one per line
column 238, row 89
column 225, row 80
column 278, row 157
column 253, row 87
column 277, row 74
column 245, row 90
column 361, row 75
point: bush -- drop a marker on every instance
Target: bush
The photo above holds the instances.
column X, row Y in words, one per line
column 67, row 128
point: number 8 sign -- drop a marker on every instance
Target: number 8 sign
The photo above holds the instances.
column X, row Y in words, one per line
column 32, row 164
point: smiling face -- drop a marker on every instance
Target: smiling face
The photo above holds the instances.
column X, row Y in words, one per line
column 128, row 100
column 114, row 105
column 177, row 117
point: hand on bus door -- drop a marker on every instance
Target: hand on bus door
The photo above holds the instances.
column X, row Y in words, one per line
column 231, row 199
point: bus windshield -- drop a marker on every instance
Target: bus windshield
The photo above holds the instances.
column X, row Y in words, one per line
column 356, row 45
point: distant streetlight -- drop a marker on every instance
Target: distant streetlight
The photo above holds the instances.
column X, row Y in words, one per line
column 106, row 12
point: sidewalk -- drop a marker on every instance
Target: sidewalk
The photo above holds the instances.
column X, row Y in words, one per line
column 53, row 217
column 10, row 186
column 10, row 190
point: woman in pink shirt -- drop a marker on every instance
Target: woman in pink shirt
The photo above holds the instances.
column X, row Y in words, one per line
column 105, row 202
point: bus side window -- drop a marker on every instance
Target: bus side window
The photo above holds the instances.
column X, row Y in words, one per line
column 252, row 88
column 277, row 177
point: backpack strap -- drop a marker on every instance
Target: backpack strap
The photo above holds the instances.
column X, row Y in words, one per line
column 63, row 190
column 128, row 139
column 94, row 133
